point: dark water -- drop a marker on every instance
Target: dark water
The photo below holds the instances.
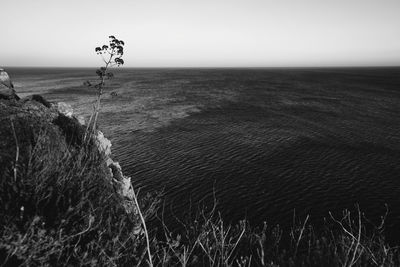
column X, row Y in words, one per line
column 265, row 142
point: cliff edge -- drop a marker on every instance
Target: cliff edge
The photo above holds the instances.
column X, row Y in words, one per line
column 60, row 198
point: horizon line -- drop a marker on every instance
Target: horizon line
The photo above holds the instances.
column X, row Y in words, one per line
column 215, row 67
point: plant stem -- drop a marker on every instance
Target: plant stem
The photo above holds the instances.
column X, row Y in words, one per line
column 100, row 92
column 144, row 226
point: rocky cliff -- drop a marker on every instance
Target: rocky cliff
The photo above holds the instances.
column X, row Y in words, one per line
column 26, row 120
column 62, row 198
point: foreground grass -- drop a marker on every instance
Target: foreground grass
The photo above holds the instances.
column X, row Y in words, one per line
column 58, row 207
column 348, row 241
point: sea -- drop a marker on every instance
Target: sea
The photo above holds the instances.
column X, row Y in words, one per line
column 263, row 144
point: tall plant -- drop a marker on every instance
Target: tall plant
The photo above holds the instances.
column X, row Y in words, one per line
column 112, row 56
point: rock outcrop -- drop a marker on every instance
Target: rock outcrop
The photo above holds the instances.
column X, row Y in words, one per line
column 121, row 182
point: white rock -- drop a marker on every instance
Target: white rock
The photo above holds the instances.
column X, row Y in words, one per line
column 103, row 144
column 125, row 185
column 81, row 120
column 121, row 182
column 65, row 109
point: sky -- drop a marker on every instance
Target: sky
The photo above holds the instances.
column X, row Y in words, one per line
column 202, row 33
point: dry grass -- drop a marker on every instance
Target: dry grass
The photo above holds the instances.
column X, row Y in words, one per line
column 61, row 207
column 206, row 241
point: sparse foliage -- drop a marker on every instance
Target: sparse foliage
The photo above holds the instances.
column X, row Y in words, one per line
column 112, row 56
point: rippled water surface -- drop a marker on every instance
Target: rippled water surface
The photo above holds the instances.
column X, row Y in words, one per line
column 265, row 142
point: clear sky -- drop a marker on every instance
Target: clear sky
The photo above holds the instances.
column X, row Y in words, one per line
column 201, row 33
